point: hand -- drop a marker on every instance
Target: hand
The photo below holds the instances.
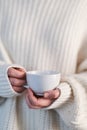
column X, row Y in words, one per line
column 36, row 102
column 17, row 78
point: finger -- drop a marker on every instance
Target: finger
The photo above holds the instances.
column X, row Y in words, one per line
column 18, row 89
column 32, row 98
column 30, row 105
column 40, row 102
column 16, row 73
column 44, row 102
column 17, row 82
column 52, row 94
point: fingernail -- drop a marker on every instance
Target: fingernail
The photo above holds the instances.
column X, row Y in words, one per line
column 46, row 95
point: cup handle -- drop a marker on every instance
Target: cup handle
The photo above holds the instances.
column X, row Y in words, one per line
column 26, row 86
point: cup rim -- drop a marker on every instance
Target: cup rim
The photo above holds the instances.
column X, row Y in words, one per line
column 43, row 73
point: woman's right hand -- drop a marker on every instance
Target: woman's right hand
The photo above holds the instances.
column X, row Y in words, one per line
column 17, row 78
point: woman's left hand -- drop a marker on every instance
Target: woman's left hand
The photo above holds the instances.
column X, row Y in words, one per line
column 36, row 102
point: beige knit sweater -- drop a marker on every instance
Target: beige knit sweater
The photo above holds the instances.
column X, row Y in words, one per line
column 44, row 35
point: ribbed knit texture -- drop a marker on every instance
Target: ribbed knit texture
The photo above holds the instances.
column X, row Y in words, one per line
column 44, row 35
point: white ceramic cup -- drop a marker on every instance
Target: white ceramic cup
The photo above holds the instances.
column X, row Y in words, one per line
column 41, row 81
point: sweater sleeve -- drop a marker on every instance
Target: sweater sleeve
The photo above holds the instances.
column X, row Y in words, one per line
column 6, row 90
column 72, row 104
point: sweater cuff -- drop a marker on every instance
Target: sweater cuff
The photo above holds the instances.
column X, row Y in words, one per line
column 6, row 89
column 65, row 96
